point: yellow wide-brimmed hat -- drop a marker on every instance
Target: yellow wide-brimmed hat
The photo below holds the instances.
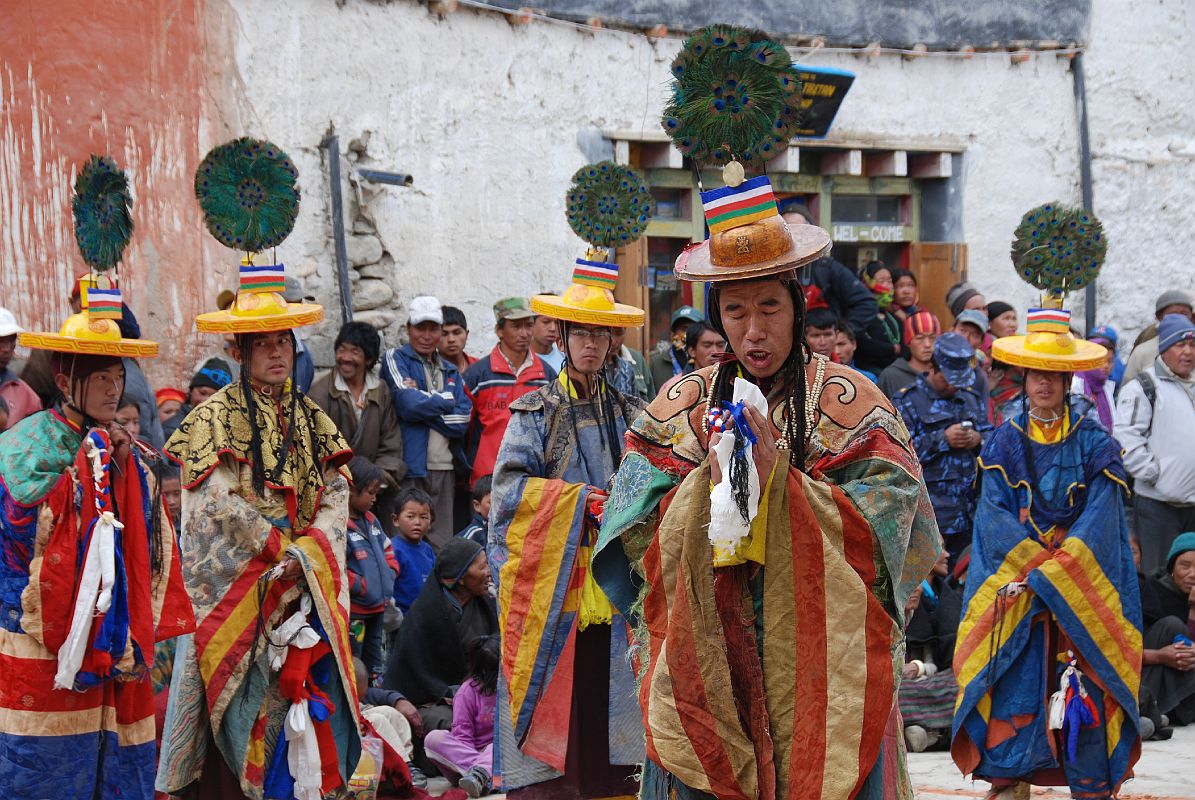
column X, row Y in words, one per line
column 590, row 299
column 259, row 306
column 748, row 237
column 95, row 330
column 1049, row 345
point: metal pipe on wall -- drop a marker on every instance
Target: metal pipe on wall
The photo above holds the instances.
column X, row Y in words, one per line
column 1089, row 294
column 331, row 143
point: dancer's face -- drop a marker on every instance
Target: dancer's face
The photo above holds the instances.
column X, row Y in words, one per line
column 758, row 318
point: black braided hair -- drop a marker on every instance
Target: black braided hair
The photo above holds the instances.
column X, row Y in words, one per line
column 163, row 471
column 792, row 371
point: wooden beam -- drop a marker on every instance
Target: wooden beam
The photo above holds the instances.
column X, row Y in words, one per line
column 622, row 152
column 789, row 160
column 888, row 164
column 842, row 162
column 930, row 165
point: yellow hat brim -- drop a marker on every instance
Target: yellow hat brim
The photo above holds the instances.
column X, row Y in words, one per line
column 621, row 316
column 1012, row 350
column 130, row 348
column 809, row 244
column 296, row 316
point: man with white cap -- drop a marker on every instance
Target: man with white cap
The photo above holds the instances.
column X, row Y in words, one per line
column 21, row 399
column 433, row 411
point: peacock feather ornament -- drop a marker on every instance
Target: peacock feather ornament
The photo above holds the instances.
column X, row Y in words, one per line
column 1059, row 249
column 249, row 194
column 736, row 97
column 608, row 205
column 101, row 208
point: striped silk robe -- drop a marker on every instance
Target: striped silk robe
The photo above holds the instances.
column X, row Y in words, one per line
column 775, row 677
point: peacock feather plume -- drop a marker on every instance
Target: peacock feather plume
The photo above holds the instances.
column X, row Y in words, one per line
column 103, row 223
column 1058, row 248
column 608, row 205
column 735, row 95
column 248, row 192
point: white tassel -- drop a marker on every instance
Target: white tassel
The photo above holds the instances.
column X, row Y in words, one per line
column 95, row 594
column 727, row 526
column 294, row 632
column 302, row 754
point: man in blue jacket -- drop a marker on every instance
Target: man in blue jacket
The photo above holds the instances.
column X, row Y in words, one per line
column 947, row 423
column 433, row 411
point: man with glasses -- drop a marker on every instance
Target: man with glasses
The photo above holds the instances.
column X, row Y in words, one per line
column 566, row 692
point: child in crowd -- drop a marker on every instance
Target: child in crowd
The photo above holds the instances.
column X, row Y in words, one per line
column 905, row 294
column 370, row 565
column 819, row 331
column 467, row 749
column 478, row 528
column 412, row 518
column 128, row 415
column 170, row 491
column 387, row 712
column 845, row 345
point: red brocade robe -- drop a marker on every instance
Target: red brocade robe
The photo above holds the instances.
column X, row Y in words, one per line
column 97, row 739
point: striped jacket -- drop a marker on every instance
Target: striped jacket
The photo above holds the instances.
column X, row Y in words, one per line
column 493, row 386
column 420, row 410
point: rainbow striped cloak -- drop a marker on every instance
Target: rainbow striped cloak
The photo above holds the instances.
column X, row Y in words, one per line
column 1051, row 517
column 806, row 649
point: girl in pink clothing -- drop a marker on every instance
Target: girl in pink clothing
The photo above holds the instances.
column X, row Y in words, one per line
column 467, row 749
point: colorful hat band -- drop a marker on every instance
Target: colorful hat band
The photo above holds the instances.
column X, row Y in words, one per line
column 102, row 303
column 265, row 278
column 602, row 274
column 1048, row 320
column 734, row 206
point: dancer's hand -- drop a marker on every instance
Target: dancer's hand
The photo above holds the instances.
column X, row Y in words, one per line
column 764, row 449
column 292, row 570
column 119, row 436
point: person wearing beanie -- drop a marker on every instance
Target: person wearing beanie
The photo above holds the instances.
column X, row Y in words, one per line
column 169, row 401
column 1002, row 319
column 921, row 329
column 1145, row 346
column 1168, row 612
column 1155, row 420
column 1109, row 338
column 211, row 377
column 963, row 296
column 947, row 420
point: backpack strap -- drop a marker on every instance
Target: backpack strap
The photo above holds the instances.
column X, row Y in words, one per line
column 1148, row 386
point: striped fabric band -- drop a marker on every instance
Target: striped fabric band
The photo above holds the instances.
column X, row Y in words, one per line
column 103, row 303
column 265, row 278
column 596, row 273
column 1048, row 320
column 734, row 206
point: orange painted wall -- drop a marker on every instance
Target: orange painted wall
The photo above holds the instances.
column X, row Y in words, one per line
column 133, row 80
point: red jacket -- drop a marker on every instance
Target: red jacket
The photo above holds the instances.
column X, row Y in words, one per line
column 493, row 386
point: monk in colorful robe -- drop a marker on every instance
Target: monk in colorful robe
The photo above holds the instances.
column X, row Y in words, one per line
column 1048, row 658
column 262, row 702
column 89, row 582
column 768, row 669
column 567, row 724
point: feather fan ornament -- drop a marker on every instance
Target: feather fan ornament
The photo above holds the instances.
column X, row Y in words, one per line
column 103, row 222
column 1059, row 248
column 249, row 194
column 735, row 96
column 608, row 205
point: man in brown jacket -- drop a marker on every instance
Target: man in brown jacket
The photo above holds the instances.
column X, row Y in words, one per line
column 360, row 404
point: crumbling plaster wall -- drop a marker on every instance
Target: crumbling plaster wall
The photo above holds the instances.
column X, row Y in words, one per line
column 487, row 116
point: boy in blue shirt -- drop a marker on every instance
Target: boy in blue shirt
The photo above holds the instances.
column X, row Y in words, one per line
column 412, row 518
column 369, row 564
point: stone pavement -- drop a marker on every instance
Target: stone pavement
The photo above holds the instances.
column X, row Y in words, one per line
column 1166, row 771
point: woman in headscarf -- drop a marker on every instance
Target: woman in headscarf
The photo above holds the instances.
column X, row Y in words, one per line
column 453, row 608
